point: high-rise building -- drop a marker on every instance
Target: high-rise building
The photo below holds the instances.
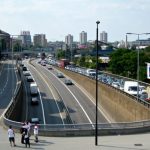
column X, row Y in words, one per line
column 40, row 40
column 69, row 40
column 26, row 38
column 4, row 41
column 103, row 37
column 83, row 38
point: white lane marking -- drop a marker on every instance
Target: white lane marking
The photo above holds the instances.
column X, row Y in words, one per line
column 52, row 94
column 89, row 97
column 6, row 80
column 2, row 68
column 43, row 113
column 60, row 96
column 74, row 98
column 26, row 103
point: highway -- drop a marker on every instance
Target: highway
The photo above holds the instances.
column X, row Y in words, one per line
column 54, row 94
column 8, row 82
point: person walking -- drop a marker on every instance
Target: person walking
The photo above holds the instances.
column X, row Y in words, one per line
column 22, row 131
column 11, row 136
column 36, row 132
column 27, row 138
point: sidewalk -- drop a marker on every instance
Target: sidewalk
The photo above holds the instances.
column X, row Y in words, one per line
column 125, row 142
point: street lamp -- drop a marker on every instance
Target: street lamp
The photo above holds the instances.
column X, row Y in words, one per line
column 96, row 117
column 138, row 34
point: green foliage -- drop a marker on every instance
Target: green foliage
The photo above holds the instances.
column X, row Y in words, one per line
column 16, row 47
column 87, row 61
column 124, row 62
column 60, row 54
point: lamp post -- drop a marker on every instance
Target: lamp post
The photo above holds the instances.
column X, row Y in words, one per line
column 96, row 117
column 138, row 34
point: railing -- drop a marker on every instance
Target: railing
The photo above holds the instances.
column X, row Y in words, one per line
column 86, row 129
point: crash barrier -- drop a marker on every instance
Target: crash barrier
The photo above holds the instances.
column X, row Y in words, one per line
column 13, row 102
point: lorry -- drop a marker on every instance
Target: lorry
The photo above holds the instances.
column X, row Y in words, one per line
column 33, row 89
column 131, row 87
column 63, row 62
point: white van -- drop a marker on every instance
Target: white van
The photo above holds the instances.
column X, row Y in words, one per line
column 33, row 89
column 90, row 72
column 131, row 87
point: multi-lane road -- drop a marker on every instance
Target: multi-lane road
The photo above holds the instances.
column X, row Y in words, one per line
column 57, row 100
column 58, row 103
column 8, row 82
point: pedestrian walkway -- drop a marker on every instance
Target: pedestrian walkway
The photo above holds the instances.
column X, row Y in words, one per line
column 124, row 142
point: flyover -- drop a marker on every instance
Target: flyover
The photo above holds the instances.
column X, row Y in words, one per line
column 123, row 104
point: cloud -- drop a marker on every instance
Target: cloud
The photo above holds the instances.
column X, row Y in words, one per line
column 60, row 17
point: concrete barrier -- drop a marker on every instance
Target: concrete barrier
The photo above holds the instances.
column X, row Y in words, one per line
column 120, row 106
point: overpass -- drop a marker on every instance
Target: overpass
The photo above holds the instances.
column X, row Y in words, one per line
column 128, row 115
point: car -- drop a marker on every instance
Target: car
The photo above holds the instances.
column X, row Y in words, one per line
column 35, row 120
column 60, row 75
column 27, row 73
column 24, row 68
column 49, row 68
column 116, row 84
column 34, row 101
column 68, row 82
column 30, row 79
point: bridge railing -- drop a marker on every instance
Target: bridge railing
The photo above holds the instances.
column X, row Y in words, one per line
column 85, row 129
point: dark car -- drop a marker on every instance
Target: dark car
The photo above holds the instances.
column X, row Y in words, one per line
column 60, row 75
column 49, row 68
column 34, row 101
column 30, row 79
column 68, row 82
column 24, row 68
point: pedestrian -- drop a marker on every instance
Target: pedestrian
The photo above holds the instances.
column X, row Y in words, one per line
column 27, row 138
column 36, row 132
column 28, row 126
column 11, row 136
column 22, row 131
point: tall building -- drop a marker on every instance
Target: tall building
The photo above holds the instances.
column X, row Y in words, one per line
column 83, row 38
column 40, row 40
column 4, row 41
column 69, row 40
column 103, row 37
column 26, row 38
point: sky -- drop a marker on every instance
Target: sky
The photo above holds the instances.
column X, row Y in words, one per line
column 58, row 18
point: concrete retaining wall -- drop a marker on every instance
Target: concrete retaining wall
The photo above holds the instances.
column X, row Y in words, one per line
column 118, row 105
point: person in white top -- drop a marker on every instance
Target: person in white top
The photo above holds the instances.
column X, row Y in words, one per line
column 11, row 136
column 36, row 132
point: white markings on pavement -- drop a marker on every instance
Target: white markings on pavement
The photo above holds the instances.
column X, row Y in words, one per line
column 3, row 89
column 43, row 113
column 74, row 98
column 52, row 95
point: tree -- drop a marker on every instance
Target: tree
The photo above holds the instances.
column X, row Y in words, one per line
column 124, row 62
column 60, row 54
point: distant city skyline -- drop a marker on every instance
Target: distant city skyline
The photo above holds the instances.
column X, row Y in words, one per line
column 58, row 18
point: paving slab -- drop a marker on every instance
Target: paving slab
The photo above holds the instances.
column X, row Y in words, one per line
column 119, row 142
